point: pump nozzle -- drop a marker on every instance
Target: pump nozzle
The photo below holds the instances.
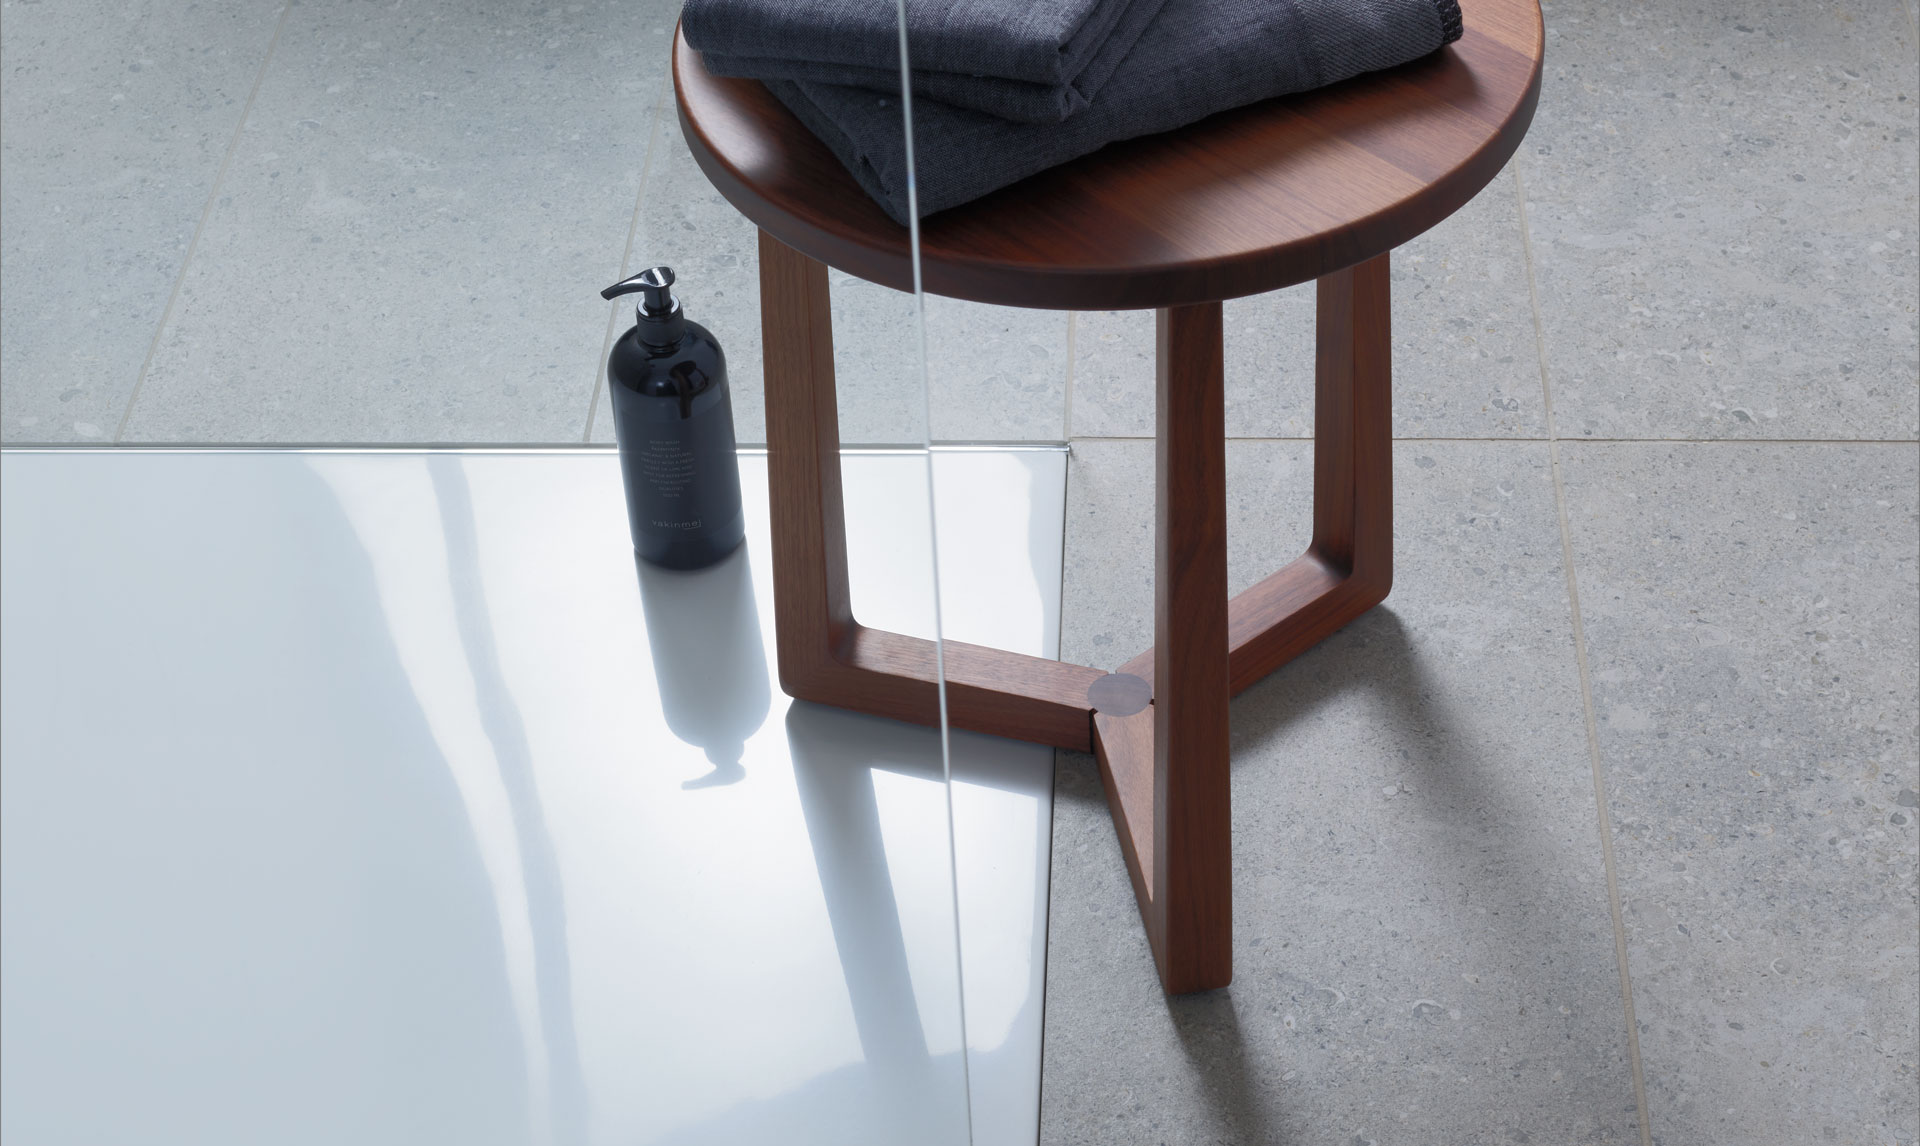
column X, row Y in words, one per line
column 657, row 320
column 654, row 284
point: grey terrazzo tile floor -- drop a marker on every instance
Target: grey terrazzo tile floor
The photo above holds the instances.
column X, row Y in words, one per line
column 1749, row 628
column 1602, row 829
column 114, row 122
column 1423, row 950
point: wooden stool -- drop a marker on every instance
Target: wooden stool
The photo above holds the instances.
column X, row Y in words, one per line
column 1318, row 186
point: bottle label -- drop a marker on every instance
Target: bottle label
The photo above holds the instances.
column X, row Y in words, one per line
column 667, row 466
column 682, row 479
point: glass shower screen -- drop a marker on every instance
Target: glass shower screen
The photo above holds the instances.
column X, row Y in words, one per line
column 821, row 999
column 991, row 414
column 361, row 785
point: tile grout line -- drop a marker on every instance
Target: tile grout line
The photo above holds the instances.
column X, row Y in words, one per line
column 537, row 447
column 1073, row 335
column 206, row 213
column 626, row 259
column 1580, row 441
column 1716, row 441
column 1603, row 817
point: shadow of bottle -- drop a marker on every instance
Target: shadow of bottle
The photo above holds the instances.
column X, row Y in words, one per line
column 709, row 659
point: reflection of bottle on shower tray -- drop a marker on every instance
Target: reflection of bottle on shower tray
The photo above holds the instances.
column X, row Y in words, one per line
column 673, row 416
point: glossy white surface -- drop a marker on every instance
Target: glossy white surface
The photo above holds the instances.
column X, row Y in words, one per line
column 344, row 802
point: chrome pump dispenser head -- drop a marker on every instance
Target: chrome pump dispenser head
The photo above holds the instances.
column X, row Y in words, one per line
column 657, row 318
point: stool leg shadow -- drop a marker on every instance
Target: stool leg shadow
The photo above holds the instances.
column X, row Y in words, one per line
column 1209, row 1032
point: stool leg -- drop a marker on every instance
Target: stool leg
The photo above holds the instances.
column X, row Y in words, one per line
column 1192, row 856
column 824, row 654
column 1177, row 850
column 1353, row 429
column 812, row 606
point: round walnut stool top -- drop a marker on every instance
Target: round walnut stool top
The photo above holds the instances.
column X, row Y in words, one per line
column 1246, row 201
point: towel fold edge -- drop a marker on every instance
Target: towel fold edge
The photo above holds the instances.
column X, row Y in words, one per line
column 1016, row 100
column 825, row 128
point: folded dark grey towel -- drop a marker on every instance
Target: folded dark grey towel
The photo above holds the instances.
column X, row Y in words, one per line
column 1037, row 61
column 1119, row 23
column 1198, row 57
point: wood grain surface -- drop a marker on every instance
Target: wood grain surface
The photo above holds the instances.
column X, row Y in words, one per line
column 1348, row 567
column 824, row 654
column 1192, row 827
column 1246, row 201
column 1124, row 747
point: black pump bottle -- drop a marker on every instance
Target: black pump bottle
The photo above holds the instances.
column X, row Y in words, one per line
column 674, row 419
